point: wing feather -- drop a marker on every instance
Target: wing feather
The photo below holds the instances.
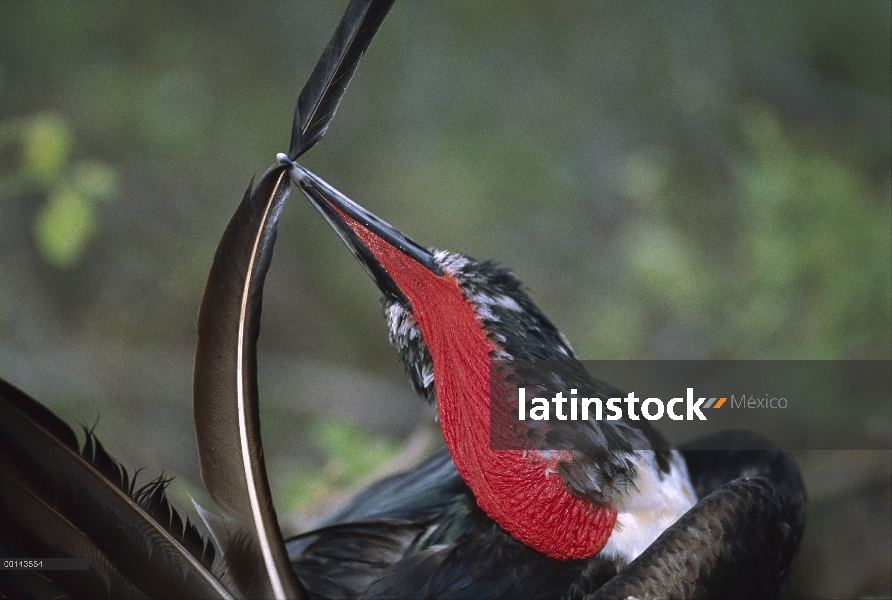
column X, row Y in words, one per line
column 226, row 404
column 68, row 502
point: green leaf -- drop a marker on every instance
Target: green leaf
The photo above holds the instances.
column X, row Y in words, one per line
column 63, row 227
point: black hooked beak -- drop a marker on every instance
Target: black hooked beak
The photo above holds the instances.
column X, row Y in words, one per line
column 331, row 203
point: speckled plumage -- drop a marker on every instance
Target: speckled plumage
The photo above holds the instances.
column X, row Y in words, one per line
column 532, row 350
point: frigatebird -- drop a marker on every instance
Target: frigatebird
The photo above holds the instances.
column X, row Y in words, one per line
column 585, row 504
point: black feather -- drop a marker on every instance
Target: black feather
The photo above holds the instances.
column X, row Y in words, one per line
column 33, row 529
column 323, row 91
column 738, row 543
column 83, row 504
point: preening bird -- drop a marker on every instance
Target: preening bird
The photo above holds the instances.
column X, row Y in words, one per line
column 577, row 502
column 578, row 487
column 579, row 509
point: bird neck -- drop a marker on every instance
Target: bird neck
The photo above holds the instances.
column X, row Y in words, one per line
column 521, row 491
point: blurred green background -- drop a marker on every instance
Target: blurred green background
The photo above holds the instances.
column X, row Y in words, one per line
column 671, row 180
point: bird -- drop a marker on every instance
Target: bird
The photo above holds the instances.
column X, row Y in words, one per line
column 589, row 510
column 579, row 505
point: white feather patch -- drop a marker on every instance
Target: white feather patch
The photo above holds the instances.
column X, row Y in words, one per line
column 651, row 506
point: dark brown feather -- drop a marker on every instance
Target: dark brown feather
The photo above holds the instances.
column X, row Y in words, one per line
column 227, row 422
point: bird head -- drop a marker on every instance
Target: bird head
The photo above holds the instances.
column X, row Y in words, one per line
column 451, row 318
